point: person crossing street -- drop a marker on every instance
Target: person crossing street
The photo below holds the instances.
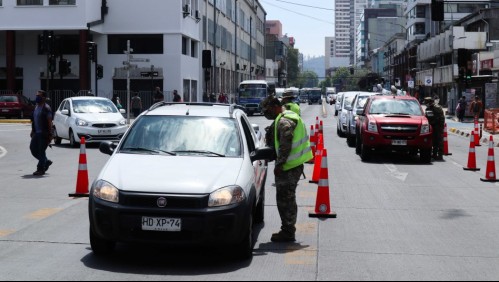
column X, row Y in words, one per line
column 41, row 133
column 289, row 138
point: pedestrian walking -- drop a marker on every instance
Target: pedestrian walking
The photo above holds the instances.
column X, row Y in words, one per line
column 287, row 136
column 136, row 105
column 476, row 107
column 436, row 117
column 462, row 105
column 176, row 97
column 158, row 96
column 41, row 133
column 222, row 99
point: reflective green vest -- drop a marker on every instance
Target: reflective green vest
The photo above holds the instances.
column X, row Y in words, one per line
column 300, row 151
column 293, row 107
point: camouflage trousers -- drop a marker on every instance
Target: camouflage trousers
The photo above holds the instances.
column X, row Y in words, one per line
column 286, row 185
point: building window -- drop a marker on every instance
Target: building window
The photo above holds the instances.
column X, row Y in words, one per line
column 185, row 44
column 194, row 49
column 62, row 2
column 29, row 2
column 140, row 43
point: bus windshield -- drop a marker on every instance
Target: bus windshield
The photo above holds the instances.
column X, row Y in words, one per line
column 253, row 92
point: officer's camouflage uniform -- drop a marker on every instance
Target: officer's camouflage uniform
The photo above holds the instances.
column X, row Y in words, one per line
column 437, row 121
column 287, row 181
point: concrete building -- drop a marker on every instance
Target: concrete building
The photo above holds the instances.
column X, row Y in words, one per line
column 343, row 28
column 171, row 35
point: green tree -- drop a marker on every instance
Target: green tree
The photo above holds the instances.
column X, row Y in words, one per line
column 308, row 79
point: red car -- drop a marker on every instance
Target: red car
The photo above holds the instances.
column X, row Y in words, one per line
column 16, row 106
column 394, row 123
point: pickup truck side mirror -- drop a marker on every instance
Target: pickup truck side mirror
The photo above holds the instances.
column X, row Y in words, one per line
column 360, row 112
column 107, row 148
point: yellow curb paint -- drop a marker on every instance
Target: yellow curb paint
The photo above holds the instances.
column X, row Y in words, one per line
column 300, row 257
column 43, row 213
column 307, row 228
column 7, row 232
column 11, row 121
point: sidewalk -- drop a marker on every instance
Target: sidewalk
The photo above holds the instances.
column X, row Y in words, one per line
column 465, row 128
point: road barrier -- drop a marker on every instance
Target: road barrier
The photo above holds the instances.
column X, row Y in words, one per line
column 318, row 160
column 82, row 182
column 322, row 204
column 491, row 121
column 446, row 142
column 490, row 174
column 472, row 155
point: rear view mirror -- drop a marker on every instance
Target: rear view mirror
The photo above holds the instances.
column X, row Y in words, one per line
column 122, row 111
column 65, row 112
column 256, row 127
column 262, row 154
column 360, row 112
column 107, row 148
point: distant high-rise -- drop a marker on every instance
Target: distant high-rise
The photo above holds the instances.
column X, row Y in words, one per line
column 343, row 28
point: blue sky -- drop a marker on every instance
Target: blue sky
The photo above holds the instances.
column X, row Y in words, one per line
column 309, row 26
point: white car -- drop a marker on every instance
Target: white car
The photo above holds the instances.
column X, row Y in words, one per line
column 346, row 105
column 184, row 174
column 358, row 103
column 337, row 106
column 96, row 119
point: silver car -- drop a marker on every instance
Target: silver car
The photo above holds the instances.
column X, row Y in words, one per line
column 337, row 106
column 346, row 106
column 358, row 103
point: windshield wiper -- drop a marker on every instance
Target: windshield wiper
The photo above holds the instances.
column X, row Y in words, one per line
column 138, row 149
column 399, row 114
column 202, row 152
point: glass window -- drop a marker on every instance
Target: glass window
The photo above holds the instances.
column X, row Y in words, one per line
column 185, row 42
column 183, row 135
column 8, row 99
column 62, row 2
column 94, row 106
column 400, row 107
column 140, row 43
column 30, row 2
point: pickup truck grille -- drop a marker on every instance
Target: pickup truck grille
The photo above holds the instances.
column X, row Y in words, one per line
column 399, row 128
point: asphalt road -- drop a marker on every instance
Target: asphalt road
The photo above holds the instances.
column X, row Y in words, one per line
column 397, row 220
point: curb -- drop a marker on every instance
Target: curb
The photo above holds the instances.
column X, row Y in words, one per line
column 484, row 140
column 10, row 121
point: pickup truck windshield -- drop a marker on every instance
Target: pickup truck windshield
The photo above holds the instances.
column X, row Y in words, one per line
column 395, row 107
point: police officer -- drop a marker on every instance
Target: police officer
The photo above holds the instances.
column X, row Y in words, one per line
column 436, row 117
column 288, row 101
column 288, row 136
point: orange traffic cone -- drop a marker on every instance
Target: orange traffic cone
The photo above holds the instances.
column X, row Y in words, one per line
column 477, row 133
column 472, row 155
column 318, row 160
column 490, row 175
column 321, row 127
column 322, row 204
column 446, row 142
column 82, row 180
column 313, row 143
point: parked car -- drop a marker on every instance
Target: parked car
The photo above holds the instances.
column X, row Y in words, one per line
column 346, row 106
column 337, row 106
column 184, row 174
column 15, row 106
column 358, row 103
column 97, row 119
column 393, row 123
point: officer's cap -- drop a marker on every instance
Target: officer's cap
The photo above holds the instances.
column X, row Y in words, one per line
column 269, row 102
column 288, row 94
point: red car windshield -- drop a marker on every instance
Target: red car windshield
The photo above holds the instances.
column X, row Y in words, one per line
column 8, row 99
column 395, row 107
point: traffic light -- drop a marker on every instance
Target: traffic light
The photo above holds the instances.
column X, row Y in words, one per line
column 100, row 71
column 462, row 73
column 52, row 65
column 64, row 67
column 469, row 74
column 42, row 44
column 92, row 52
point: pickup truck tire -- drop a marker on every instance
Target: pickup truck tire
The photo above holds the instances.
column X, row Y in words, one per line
column 425, row 156
column 351, row 140
column 365, row 153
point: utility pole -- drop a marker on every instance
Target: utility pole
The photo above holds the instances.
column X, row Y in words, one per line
column 215, row 46
column 128, row 52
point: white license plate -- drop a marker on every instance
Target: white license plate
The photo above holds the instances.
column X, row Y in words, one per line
column 399, row 142
column 161, row 224
column 104, row 131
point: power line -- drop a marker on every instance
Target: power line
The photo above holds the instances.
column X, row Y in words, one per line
column 303, row 5
column 307, row 16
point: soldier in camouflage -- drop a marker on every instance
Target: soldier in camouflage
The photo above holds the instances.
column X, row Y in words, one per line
column 436, row 118
column 286, row 180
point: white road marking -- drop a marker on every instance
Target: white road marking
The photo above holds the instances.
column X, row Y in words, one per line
column 394, row 172
column 3, row 152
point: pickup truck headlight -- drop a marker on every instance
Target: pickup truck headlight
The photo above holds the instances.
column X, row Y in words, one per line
column 372, row 126
column 106, row 191
column 425, row 128
column 226, row 196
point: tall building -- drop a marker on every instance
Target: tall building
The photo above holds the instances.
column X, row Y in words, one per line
column 355, row 34
column 343, row 28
